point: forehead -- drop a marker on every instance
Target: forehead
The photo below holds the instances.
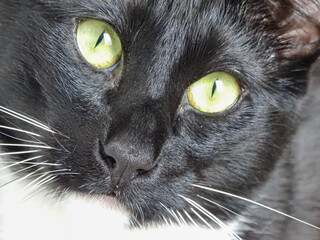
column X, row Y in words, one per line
column 194, row 21
column 182, row 12
column 192, row 36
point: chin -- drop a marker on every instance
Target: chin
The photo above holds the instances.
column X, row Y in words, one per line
column 44, row 215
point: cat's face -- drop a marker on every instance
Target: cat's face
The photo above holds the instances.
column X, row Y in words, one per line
column 130, row 132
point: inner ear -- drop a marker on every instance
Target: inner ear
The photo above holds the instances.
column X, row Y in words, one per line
column 299, row 25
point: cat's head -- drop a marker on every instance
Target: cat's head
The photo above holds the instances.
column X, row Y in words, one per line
column 138, row 128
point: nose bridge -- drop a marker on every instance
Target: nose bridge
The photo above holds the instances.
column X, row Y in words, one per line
column 134, row 141
column 141, row 124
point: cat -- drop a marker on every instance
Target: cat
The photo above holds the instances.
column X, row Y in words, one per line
column 124, row 144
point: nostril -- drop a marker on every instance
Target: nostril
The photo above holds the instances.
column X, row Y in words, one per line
column 112, row 164
column 110, row 161
column 145, row 172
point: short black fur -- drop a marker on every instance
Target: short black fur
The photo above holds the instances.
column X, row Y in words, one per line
column 137, row 114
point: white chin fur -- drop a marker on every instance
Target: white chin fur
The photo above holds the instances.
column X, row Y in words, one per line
column 78, row 217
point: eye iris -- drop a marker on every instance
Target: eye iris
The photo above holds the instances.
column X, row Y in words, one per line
column 214, row 93
column 98, row 43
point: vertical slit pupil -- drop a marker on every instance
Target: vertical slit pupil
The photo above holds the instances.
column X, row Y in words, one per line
column 100, row 39
column 214, row 87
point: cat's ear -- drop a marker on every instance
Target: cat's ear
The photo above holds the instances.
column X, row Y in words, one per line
column 299, row 25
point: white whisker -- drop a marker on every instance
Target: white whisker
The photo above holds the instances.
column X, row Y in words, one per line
column 25, row 119
column 38, row 181
column 176, row 217
column 34, row 190
column 25, row 145
column 223, row 207
column 23, row 140
column 190, row 218
column 171, row 223
column 201, row 218
column 68, row 173
column 165, row 220
column 21, row 179
column 41, row 183
column 140, row 211
column 182, row 218
column 170, row 212
column 20, row 130
column 13, row 173
column 53, row 171
column 36, row 163
column 60, row 143
column 43, row 175
column 19, row 153
column 60, row 170
column 256, row 203
column 203, row 210
column 210, row 215
column 20, row 162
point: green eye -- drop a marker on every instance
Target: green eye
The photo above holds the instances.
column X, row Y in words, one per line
column 98, row 43
column 214, row 93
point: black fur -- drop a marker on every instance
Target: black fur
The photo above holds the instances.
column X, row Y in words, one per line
column 137, row 113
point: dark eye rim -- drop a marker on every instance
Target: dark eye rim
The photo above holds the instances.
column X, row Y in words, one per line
column 115, row 66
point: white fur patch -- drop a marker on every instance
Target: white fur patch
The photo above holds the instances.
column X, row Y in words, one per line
column 77, row 217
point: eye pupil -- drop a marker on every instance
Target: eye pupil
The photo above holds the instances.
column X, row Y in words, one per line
column 100, row 39
column 214, row 87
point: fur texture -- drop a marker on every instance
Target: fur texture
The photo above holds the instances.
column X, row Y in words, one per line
column 94, row 120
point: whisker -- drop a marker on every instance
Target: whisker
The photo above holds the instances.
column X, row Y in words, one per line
column 33, row 174
column 256, row 203
column 68, row 173
column 19, row 179
column 36, row 163
column 190, row 218
column 165, row 220
column 182, row 218
column 59, row 170
column 25, row 119
column 20, row 162
column 60, row 143
column 19, row 153
column 170, row 212
column 49, row 179
column 34, row 190
column 201, row 218
column 38, row 143
column 140, row 212
column 31, row 136
column 223, row 207
column 25, row 145
column 176, row 217
column 210, row 215
column 38, row 179
column 20, row 130
column 21, row 170
column 23, row 140
column 203, row 210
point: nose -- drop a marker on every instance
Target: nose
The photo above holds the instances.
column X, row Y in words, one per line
column 126, row 162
